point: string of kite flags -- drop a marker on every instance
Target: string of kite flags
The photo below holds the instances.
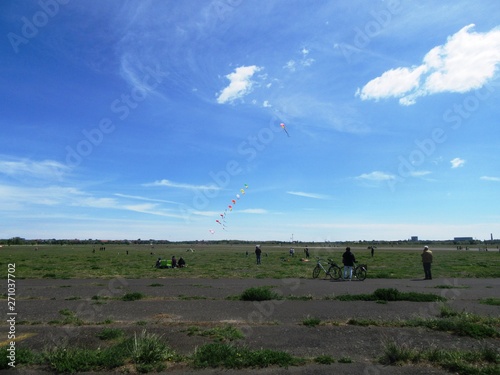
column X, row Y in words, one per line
column 222, row 220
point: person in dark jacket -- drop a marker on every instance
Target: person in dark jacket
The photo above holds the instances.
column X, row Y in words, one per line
column 427, row 262
column 348, row 259
column 258, row 253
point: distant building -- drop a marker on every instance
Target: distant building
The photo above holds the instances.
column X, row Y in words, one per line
column 463, row 239
column 414, row 238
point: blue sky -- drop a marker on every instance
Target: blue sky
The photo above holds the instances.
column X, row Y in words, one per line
column 146, row 119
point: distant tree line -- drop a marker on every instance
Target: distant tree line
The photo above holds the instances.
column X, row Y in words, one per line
column 152, row 242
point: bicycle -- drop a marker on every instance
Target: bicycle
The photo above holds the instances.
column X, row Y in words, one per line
column 358, row 272
column 334, row 271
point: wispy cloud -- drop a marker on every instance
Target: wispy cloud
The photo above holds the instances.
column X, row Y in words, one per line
column 376, row 176
column 45, row 169
column 168, row 183
column 144, row 198
column 419, row 173
column 457, row 162
column 308, row 195
column 305, row 61
column 490, row 178
column 20, row 199
column 467, row 61
column 258, row 211
column 240, row 84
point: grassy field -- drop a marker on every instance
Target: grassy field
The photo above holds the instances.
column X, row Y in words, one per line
column 231, row 261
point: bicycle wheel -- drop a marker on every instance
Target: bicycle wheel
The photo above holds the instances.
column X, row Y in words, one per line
column 316, row 272
column 360, row 274
column 331, row 272
column 335, row 272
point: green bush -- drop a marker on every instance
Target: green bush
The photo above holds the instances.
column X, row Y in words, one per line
column 311, row 322
column 389, row 294
column 324, row 359
column 228, row 356
column 149, row 349
column 132, row 296
column 110, row 334
column 23, row 356
column 71, row 360
column 261, row 293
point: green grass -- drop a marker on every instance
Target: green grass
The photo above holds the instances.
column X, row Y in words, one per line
column 491, row 301
column 149, row 352
column 110, row 334
column 219, row 334
column 311, row 321
column 454, row 322
column 391, row 294
column 483, row 361
column 224, row 355
column 460, row 323
column 135, row 296
column 324, row 359
column 229, row 261
column 260, row 293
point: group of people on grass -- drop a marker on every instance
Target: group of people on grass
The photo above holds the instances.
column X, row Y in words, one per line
column 170, row 263
column 349, row 260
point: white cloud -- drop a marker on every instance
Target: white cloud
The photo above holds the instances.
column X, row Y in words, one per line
column 36, row 169
column 257, row 211
column 266, row 104
column 178, row 185
column 465, row 62
column 290, row 65
column 419, row 173
column 240, row 84
column 489, row 178
column 376, row 176
column 308, row 195
column 457, row 162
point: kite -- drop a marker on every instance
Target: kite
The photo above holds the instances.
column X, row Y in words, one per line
column 233, row 202
column 284, row 128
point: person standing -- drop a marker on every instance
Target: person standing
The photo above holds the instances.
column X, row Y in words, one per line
column 427, row 262
column 348, row 259
column 258, row 253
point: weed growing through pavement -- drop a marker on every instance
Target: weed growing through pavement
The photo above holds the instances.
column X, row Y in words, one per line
column 261, row 293
column 391, row 294
column 229, row 356
column 220, row 334
column 135, row 296
column 482, row 361
column 311, row 321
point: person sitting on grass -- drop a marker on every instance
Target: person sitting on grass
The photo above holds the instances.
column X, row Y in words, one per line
column 181, row 263
column 174, row 262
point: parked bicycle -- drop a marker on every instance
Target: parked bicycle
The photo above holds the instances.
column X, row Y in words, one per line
column 359, row 272
column 334, row 271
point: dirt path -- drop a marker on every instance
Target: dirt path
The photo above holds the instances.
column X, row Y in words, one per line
column 171, row 306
